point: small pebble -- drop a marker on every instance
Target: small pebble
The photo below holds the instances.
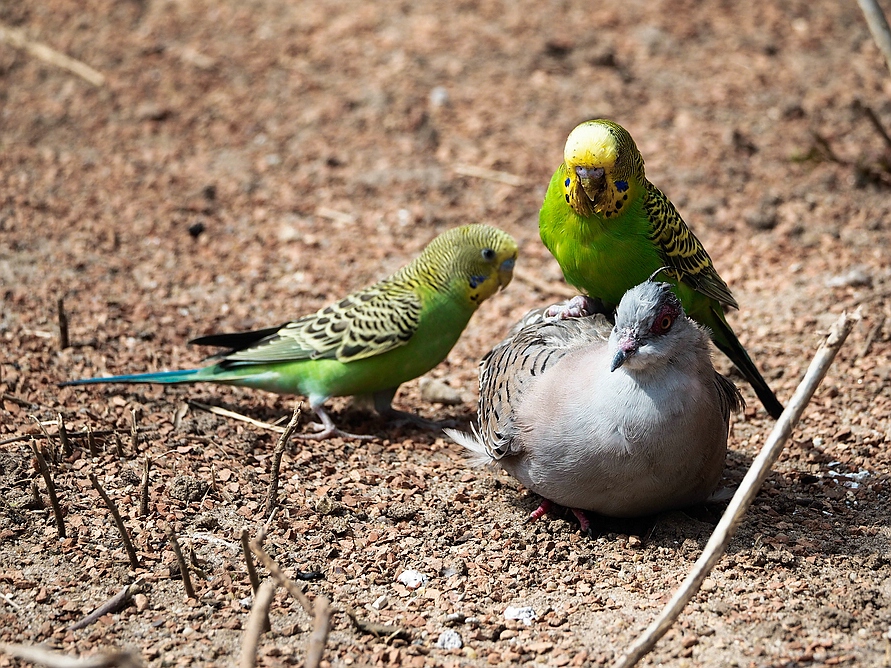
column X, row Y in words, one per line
column 449, row 639
column 436, row 392
column 412, row 579
column 380, row 602
column 526, row 614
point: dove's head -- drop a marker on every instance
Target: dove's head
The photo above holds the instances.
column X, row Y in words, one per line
column 651, row 328
column 603, row 170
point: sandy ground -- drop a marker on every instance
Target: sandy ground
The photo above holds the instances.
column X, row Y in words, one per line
column 246, row 163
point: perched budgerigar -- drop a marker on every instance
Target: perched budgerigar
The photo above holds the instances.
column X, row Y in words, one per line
column 624, row 420
column 610, row 228
column 369, row 342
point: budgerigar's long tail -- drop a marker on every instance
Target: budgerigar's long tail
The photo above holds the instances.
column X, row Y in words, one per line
column 164, row 377
column 726, row 341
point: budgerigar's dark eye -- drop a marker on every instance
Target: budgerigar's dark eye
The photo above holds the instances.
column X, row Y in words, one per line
column 488, row 254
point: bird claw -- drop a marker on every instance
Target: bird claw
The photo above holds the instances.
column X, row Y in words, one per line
column 580, row 515
column 579, row 306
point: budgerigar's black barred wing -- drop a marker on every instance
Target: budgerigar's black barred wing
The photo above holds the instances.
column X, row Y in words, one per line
column 682, row 251
column 507, row 371
column 365, row 324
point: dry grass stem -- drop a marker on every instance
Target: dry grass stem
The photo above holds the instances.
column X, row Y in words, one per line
column 257, row 623
column 43, row 657
column 118, row 521
column 292, row 587
column 746, row 493
column 878, row 26
column 115, row 603
column 319, row 636
column 50, row 489
column 216, row 410
column 183, row 566
column 18, row 39
column 144, row 488
column 272, row 492
column 490, row 175
column 63, row 324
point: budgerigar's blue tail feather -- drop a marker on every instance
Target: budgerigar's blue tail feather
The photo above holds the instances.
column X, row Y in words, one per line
column 165, row 377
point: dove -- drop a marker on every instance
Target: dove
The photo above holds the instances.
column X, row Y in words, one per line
column 369, row 342
column 625, row 420
column 609, row 227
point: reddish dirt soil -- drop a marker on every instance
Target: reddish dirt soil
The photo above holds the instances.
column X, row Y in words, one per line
column 321, row 146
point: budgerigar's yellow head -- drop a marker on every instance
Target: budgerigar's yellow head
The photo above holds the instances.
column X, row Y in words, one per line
column 473, row 261
column 604, row 169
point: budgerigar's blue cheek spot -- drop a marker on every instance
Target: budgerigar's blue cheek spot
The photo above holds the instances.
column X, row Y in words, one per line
column 567, row 182
column 621, row 186
column 476, row 280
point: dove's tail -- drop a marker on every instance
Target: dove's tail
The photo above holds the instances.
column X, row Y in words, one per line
column 164, row 377
column 478, row 455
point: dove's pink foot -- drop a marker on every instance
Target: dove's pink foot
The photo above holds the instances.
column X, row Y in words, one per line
column 584, row 522
column 541, row 511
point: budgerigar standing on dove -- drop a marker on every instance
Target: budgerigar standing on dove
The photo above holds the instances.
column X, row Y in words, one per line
column 369, row 342
column 610, row 228
column 625, row 420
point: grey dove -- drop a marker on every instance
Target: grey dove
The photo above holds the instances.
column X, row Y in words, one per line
column 623, row 420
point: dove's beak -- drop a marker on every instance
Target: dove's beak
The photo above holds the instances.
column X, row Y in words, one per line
column 592, row 180
column 628, row 346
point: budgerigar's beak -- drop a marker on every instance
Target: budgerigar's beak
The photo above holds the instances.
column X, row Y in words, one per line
column 506, row 272
column 592, row 180
column 628, row 346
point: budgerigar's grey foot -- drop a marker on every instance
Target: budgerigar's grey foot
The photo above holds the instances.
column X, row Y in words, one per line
column 325, row 429
column 579, row 306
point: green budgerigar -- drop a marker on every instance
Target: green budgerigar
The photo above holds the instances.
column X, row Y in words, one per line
column 610, row 228
column 369, row 342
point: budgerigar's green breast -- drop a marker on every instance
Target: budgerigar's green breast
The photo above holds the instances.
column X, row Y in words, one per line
column 602, row 257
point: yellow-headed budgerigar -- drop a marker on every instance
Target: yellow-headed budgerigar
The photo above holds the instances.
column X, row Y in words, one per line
column 610, row 228
column 369, row 342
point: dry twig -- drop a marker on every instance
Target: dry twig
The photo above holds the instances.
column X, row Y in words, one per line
column 134, row 431
column 144, row 488
column 63, row 437
column 249, row 560
column 272, row 492
column 545, row 288
column 490, row 175
column 119, row 522
column 91, row 443
column 39, row 655
column 321, row 623
column 183, row 566
column 50, row 489
column 878, row 26
column 63, row 323
column 115, row 603
column 257, row 623
column 746, row 493
column 275, row 571
column 17, row 39
column 216, row 410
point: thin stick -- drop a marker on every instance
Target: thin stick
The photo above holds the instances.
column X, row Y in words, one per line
column 91, row 443
column 50, row 489
column 47, row 436
column 878, row 26
column 119, row 522
column 63, row 437
column 249, row 560
column 216, row 410
column 871, row 337
column 272, row 492
column 490, row 175
column 63, row 323
column 35, row 496
column 877, row 124
column 293, row 588
column 118, row 446
column 320, row 625
column 746, row 493
column 134, row 432
column 144, row 488
column 17, row 39
column 115, row 603
column 37, row 654
column 28, row 437
column 545, row 288
column 256, row 623
column 183, row 566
